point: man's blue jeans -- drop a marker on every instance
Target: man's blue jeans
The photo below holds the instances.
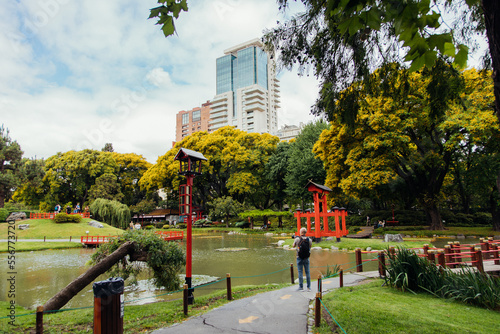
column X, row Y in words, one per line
column 303, row 264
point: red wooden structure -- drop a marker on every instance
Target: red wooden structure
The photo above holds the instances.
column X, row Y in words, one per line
column 95, row 239
column 320, row 211
column 99, row 239
column 171, row 235
column 51, row 215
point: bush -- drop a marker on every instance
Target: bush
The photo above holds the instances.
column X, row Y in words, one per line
column 65, row 218
column 4, row 213
column 483, row 218
column 149, row 227
column 165, row 227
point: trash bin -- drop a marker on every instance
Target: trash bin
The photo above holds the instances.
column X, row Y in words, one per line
column 108, row 306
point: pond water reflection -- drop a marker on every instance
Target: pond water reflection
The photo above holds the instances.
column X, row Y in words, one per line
column 42, row 274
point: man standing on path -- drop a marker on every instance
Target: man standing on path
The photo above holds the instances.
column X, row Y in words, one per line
column 303, row 245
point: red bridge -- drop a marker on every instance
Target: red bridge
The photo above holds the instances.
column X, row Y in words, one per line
column 91, row 240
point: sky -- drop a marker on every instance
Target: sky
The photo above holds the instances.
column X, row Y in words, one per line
column 80, row 74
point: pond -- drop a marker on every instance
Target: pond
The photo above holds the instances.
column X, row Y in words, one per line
column 44, row 273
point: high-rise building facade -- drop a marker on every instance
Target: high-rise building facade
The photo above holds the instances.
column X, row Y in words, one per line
column 247, row 90
column 191, row 121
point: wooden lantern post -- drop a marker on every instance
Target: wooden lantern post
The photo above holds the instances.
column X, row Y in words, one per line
column 190, row 166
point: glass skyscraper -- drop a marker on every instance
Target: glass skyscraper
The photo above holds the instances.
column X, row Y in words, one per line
column 247, row 90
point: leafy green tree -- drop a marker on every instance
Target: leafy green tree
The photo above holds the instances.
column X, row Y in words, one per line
column 10, row 160
column 235, row 166
column 131, row 167
column 108, row 147
column 403, row 132
column 303, row 165
column 276, row 170
column 164, row 259
column 224, row 207
column 143, row 207
column 107, row 187
column 70, row 175
column 345, row 40
column 111, row 212
column 30, row 190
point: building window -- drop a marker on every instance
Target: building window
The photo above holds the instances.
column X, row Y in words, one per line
column 196, row 115
column 185, row 118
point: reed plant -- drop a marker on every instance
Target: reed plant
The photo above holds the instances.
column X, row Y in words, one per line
column 409, row 272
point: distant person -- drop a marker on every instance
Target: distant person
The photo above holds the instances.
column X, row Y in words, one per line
column 137, row 226
column 131, row 225
column 77, row 208
column 87, row 209
column 68, row 209
column 303, row 245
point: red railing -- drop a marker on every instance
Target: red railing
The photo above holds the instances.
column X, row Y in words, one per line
column 51, row 215
column 95, row 239
column 171, row 235
column 452, row 255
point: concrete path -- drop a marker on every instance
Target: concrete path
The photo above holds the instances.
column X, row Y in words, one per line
column 280, row 311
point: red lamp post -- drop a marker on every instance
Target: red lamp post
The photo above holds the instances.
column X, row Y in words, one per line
column 190, row 166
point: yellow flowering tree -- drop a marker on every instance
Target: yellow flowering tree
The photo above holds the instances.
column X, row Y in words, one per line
column 409, row 127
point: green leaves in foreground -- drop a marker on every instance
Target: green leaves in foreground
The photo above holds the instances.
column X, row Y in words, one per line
column 409, row 272
column 165, row 259
column 166, row 13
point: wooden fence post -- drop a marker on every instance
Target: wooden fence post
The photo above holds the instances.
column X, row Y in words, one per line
column 457, row 249
column 317, row 310
column 441, row 259
column 496, row 254
column 431, row 256
column 291, row 273
column 228, row 284
column 426, row 249
column 359, row 261
column 341, row 278
column 320, row 284
column 479, row 260
column 448, row 257
column 381, row 263
column 39, row 320
column 185, row 299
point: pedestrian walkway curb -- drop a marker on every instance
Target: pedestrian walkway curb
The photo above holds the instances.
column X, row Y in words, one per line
column 280, row 311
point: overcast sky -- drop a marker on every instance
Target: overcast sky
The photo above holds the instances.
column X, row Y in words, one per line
column 79, row 74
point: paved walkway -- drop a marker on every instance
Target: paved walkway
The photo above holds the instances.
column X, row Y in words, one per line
column 280, row 311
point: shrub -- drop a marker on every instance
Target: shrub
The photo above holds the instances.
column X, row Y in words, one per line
column 65, row 218
column 4, row 213
column 482, row 218
column 149, row 227
column 166, row 226
column 408, row 271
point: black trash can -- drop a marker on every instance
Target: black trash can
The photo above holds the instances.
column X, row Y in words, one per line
column 108, row 306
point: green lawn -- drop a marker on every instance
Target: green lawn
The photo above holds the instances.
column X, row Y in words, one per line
column 371, row 308
column 137, row 318
column 375, row 244
column 21, row 246
column 423, row 231
column 40, row 228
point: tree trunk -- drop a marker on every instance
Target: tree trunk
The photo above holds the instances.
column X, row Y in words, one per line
column 491, row 11
column 280, row 222
column 495, row 212
column 2, row 198
column 434, row 217
column 73, row 288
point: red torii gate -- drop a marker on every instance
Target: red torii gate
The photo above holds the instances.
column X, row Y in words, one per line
column 321, row 211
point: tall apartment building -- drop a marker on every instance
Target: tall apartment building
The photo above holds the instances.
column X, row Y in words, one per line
column 191, row 121
column 247, row 90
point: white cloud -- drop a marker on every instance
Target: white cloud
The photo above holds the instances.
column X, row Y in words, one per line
column 81, row 74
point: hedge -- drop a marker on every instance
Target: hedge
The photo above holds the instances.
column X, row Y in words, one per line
column 65, row 218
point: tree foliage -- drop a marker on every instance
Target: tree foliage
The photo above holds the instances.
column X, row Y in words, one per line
column 224, row 207
column 404, row 131
column 164, row 259
column 131, row 167
column 30, row 189
column 235, row 166
column 10, row 160
column 111, row 212
column 70, row 175
column 303, row 165
column 107, row 187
